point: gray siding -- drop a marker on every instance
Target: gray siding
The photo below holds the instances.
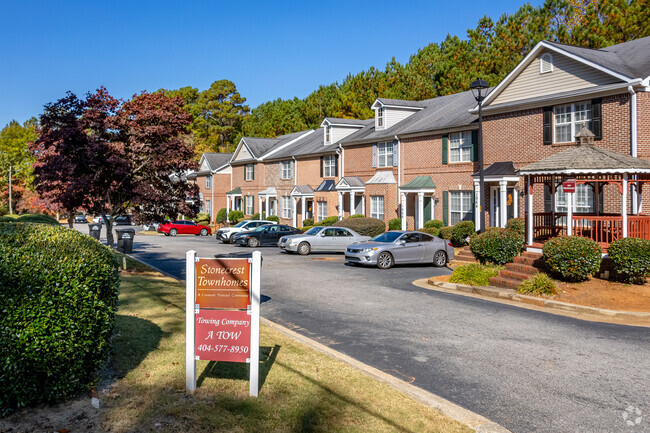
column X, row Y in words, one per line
column 243, row 154
column 567, row 75
column 340, row 132
column 393, row 116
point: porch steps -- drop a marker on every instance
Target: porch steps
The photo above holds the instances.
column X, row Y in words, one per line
column 463, row 257
column 523, row 267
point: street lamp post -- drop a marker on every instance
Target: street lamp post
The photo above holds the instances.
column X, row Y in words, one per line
column 11, row 211
column 477, row 87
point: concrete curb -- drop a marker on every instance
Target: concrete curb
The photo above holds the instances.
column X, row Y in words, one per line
column 546, row 304
column 479, row 423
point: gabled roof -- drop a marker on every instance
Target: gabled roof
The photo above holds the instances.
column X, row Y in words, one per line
column 420, row 182
column 270, row 191
column 326, row 185
column 384, row 102
column 236, row 191
column 441, row 113
column 216, row 160
column 307, row 145
column 587, row 158
column 504, row 168
column 302, row 190
column 259, row 147
column 345, row 122
column 350, row 182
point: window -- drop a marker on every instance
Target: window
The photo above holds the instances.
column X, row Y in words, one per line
column 377, row 207
column 322, row 211
column 328, row 131
column 250, row 205
column 385, row 154
column 287, row 169
column 569, row 120
column 380, row 117
column 545, row 63
column 329, row 166
column 460, row 147
column 287, row 211
column 460, row 206
column 207, row 207
column 583, row 199
column 250, row 172
column 208, row 182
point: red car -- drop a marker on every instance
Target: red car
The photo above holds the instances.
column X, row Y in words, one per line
column 182, row 227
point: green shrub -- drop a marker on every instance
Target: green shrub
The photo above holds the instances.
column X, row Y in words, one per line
column 30, row 218
column 431, row 230
column 328, row 221
column 307, row 222
column 305, row 228
column 235, row 215
column 255, row 216
column 572, row 258
column 357, row 215
column 446, row 232
column 461, row 231
column 630, row 259
column 498, row 246
column 203, row 223
column 437, row 224
column 364, row 226
column 517, row 225
column 222, row 215
column 540, row 284
column 395, row 224
column 273, row 218
column 475, row 274
column 58, row 297
column 202, row 217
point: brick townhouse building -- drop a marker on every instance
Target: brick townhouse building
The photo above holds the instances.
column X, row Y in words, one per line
column 213, row 179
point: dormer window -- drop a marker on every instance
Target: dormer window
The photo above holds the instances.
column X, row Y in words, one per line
column 328, row 132
column 380, row 117
column 546, row 63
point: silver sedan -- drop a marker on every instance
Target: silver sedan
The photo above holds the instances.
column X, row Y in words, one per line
column 328, row 238
column 401, row 247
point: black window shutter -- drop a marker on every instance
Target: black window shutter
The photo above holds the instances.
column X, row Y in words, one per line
column 445, row 208
column 374, row 155
column 548, row 125
column 336, row 165
column 253, row 172
column 445, row 148
column 322, row 159
column 597, row 118
column 475, row 145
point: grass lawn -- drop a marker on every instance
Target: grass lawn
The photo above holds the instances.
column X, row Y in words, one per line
column 302, row 390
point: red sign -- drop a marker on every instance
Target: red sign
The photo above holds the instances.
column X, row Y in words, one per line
column 223, row 283
column 223, row 335
column 569, row 186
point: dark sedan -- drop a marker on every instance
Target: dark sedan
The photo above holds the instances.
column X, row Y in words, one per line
column 264, row 235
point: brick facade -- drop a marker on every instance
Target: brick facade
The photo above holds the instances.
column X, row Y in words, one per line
column 216, row 194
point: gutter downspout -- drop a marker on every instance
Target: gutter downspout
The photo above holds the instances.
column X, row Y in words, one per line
column 634, row 145
column 399, row 178
column 212, row 199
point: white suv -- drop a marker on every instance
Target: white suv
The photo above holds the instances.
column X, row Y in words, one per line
column 225, row 234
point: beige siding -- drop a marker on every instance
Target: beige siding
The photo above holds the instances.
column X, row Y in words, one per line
column 395, row 115
column 340, row 132
column 243, row 154
column 567, row 75
column 204, row 166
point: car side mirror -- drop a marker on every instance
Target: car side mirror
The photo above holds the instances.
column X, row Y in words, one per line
column 401, row 242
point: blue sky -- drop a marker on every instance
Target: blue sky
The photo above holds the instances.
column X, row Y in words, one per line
column 269, row 49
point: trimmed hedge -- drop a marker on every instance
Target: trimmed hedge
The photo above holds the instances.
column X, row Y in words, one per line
column 474, row 274
column 202, row 217
column 461, row 231
column 437, row 224
column 572, row 258
column 30, row 218
column 357, row 215
column 517, row 225
column 431, row 230
column 498, row 246
column 273, row 218
column 446, row 232
column 307, row 222
column 539, row 284
column 395, row 224
column 235, row 215
column 222, row 215
column 255, row 216
column 364, row 226
column 329, row 221
column 631, row 259
column 58, row 298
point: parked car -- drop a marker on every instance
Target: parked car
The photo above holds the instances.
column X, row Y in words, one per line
column 80, row 218
column 226, row 234
column 331, row 239
column 100, row 220
column 123, row 220
column 400, row 247
column 264, row 235
column 183, row 227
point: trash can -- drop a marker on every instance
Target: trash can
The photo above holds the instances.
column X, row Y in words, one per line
column 125, row 240
column 94, row 230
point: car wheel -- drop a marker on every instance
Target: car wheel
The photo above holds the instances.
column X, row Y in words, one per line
column 385, row 261
column 173, row 232
column 204, row 232
column 440, row 259
column 253, row 242
column 304, row 248
column 230, row 239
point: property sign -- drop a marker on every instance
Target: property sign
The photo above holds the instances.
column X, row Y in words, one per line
column 223, row 335
column 569, row 186
column 223, row 283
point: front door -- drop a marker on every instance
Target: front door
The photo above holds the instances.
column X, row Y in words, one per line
column 427, row 208
column 495, row 206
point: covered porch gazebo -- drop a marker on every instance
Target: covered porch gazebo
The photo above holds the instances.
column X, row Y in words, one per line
column 607, row 203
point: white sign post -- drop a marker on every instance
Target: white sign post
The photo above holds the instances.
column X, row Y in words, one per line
column 190, row 293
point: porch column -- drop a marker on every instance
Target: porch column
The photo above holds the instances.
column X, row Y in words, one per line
column 403, row 211
column 268, row 210
column 259, row 207
column 340, row 205
column 515, row 201
column 503, row 208
column 569, row 214
column 433, row 206
column 227, row 205
column 363, row 205
column 477, row 206
column 420, row 222
column 529, row 204
column 351, row 203
column 624, row 205
column 294, row 208
column 553, row 191
column 304, row 213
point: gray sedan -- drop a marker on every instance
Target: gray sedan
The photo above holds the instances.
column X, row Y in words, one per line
column 401, row 247
column 331, row 239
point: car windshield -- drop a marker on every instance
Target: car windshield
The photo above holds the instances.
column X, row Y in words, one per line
column 314, row 230
column 260, row 228
column 240, row 224
column 387, row 237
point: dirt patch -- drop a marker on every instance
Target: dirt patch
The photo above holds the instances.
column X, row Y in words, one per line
column 606, row 294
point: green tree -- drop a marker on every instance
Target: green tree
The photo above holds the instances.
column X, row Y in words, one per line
column 14, row 153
